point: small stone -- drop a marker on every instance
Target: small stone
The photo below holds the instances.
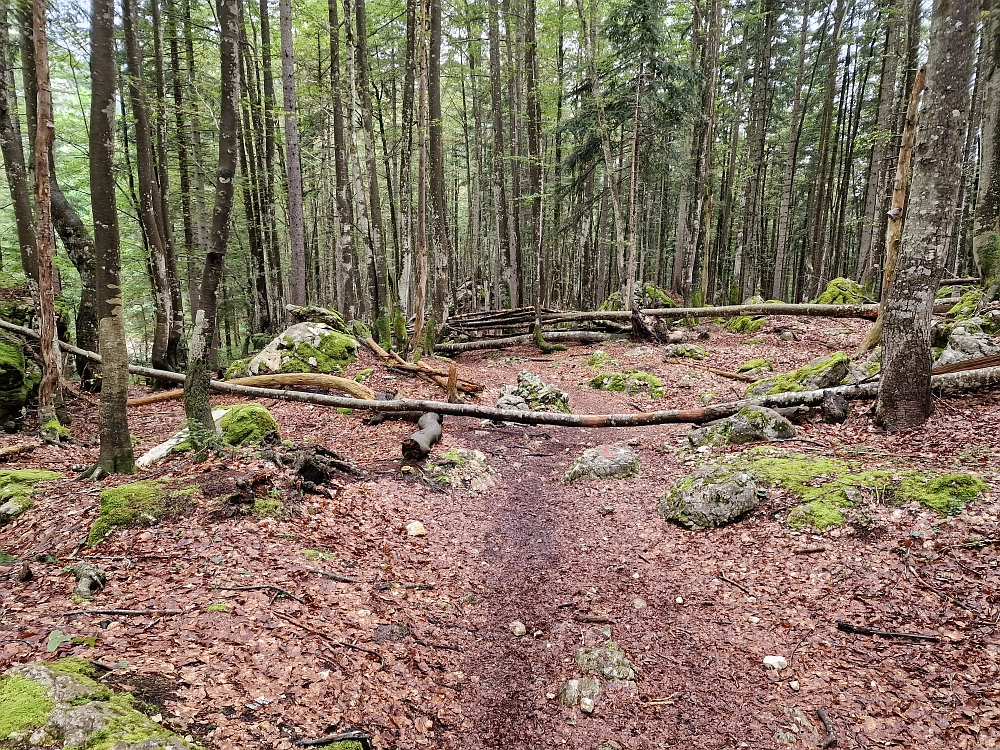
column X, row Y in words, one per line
column 787, row 336
column 679, row 600
column 517, row 628
column 537, row 634
column 607, row 510
column 415, row 528
column 753, row 620
column 639, row 603
column 587, row 705
column 775, row 662
column 550, row 696
column 794, row 685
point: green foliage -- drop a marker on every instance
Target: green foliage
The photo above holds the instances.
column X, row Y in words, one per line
column 144, row 502
column 238, row 368
column 630, row 381
column 842, row 291
column 946, row 495
column 612, row 304
column 217, row 607
column 363, row 376
column 745, row 324
column 24, row 705
column 968, row 305
column 246, row 423
column 654, row 297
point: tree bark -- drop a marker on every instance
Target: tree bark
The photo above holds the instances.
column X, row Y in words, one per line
column 196, row 403
column 506, row 267
column 904, row 399
column 116, row 455
column 986, row 228
column 293, row 158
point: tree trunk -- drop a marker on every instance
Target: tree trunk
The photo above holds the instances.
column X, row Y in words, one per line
column 48, row 422
column 196, row 403
column 293, row 157
column 116, row 445
column 986, row 231
column 904, row 399
column 506, row 265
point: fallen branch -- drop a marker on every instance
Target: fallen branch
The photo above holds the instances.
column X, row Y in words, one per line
column 831, row 736
column 120, row 612
column 847, row 627
column 419, row 444
column 740, row 586
column 277, row 380
column 351, row 735
column 327, row 639
column 263, row 587
column 422, row 369
column 18, row 448
column 334, row 576
column 576, row 337
column 808, row 550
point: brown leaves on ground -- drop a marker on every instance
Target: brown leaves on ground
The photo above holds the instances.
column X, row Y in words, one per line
column 418, row 652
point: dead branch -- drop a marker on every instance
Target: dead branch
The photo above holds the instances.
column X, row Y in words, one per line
column 326, row 638
column 120, row 612
column 355, row 735
column 18, row 448
column 740, row 586
column 808, row 550
column 847, row 627
column 423, row 370
column 419, row 444
column 831, row 736
column 263, row 587
column 576, row 337
column 334, row 576
column 277, row 380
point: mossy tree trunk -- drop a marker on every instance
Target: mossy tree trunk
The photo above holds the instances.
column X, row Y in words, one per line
column 47, row 419
column 904, row 399
column 196, row 403
column 116, row 445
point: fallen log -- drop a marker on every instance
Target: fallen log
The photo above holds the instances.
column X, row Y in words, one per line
column 419, row 444
column 576, row 337
column 959, row 381
column 277, row 380
column 422, row 369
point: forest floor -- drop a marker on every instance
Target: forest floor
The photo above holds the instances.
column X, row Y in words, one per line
column 419, row 651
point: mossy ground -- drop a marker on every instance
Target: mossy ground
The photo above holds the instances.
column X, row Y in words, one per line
column 631, row 381
column 145, row 502
column 968, row 305
column 842, row 291
column 246, row 423
column 600, row 358
column 217, row 607
column 829, row 485
column 24, row 705
column 756, row 366
column 19, row 485
column 745, row 324
column 268, row 507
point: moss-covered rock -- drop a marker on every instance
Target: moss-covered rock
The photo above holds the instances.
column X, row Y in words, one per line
column 142, row 503
column 532, row 394
column 824, row 372
column 711, row 496
column 755, row 367
column 245, row 424
column 604, row 462
column 652, row 297
column 608, row 661
column 750, row 424
column 304, row 347
column 946, row 495
column 612, row 304
column 842, row 291
column 630, row 381
column 17, row 487
column 60, row 704
column 968, row 305
column 268, row 507
column 690, row 351
column 745, row 324
column 238, row 368
column 19, row 379
column 600, row 358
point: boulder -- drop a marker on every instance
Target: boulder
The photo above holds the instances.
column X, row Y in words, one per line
column 59, row 704
column 709, row 497
column 691, row 351
column 820, row 373
column 245, row 424
column 531, row 394
column 604, row 462
column 750, row 424
column 303, row 347
column 966, row 342
column 17, row 486
column 842, row 291
column 18, row 379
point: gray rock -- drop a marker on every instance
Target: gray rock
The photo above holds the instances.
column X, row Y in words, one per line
column 787, row 336
column 604, row 462
column 639, row 351
column 61, row 688
column 88, row 577
column 608, row 661
column 750, row 424
column 76, row 724
column 609, row 745
column 785, row 737
column 581, row 688
column 964, row 343
column 709, row 497
column 535, row 394
column 315, row 346
column 691, row 351
column 13, row 508
column 816, row 375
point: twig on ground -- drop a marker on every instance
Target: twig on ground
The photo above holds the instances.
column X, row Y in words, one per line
column 267, row 586
column 644, row 558
column 831, row 736
column 418, row 586
column 601, row 619
column 740, row 586
column 860, row 630
column 808, row 550
column 326, row 638
column 443, row 646
column 335, row 576
column 121, row 612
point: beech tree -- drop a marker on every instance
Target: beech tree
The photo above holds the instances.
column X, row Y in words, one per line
column 904, row 399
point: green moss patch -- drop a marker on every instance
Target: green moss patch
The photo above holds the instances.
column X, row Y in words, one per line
column 333, row 353
column 268, row 507
column 139, row 503
column 654, row 297
column 756, row 366
column 246, row 423
column 946, row 495
column 821, row 373
column 745, row 324
column 631, row 381
column 18, row 378
column 75, row 667
column 600, row 358
column 968, row 305
column 612, row 303
column 238, row 368
column 217, row 607
column 24, row 705
column 842, row 291
column 17, row 487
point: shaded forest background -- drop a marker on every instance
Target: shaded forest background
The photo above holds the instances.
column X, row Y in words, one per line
column 396, row 157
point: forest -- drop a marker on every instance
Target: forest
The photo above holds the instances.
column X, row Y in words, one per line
column 607, row 374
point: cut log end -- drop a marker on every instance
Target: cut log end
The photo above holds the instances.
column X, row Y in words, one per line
column 419, row 444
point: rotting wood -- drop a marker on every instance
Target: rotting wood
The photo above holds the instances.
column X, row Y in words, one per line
column 419, row 444
column 351, row 735
column 18, row 448
column 276, row 380
column 808, row 550
column 333, row 576
column 830, row 740
column 120, row 612
column 847, row 627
